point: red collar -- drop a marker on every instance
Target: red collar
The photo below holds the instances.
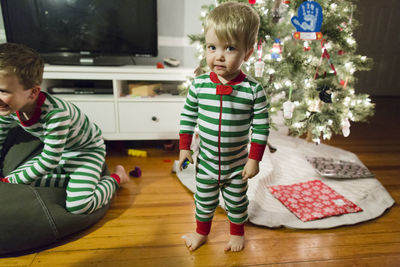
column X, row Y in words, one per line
column 36, row 113
column 226, row 89
column 238, row 79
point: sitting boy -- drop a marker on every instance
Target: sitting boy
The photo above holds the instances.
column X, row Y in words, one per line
column 73, row 154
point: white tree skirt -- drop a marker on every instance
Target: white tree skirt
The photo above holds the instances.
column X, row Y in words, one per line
column 288, row 165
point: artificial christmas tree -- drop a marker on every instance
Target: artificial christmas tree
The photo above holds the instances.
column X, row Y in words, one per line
column 306, row 49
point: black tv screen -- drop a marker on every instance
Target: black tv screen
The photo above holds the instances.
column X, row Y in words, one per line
column 63, row 30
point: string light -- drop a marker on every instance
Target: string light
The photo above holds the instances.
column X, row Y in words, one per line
column 350, row 41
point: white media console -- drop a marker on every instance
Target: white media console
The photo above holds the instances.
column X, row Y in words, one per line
column 121, row 116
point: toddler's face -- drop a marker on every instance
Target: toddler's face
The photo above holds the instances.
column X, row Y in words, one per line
column 13, row 96
column 225, row 58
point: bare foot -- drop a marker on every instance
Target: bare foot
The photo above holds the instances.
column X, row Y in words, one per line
column 236, row 243
column 120, row 171
column 194, row 240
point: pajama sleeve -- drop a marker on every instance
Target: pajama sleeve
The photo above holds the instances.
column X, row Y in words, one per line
column 260, row 125
column 56, row 129
column 6, row 123
column 188, row 119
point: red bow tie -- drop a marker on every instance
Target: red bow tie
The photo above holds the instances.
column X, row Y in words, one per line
column 223, row 89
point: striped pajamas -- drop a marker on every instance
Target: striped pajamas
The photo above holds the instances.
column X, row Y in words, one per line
column 72, row 157
column 225, row 115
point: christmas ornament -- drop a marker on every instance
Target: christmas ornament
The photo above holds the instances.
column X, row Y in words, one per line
column 346, row 127
column 276, row 49
column 259, row 65
column 324, row 55
column 288, row 107
column 325, row 94
column 252, row 2
column 308, row 22
column 315, row 106
column 307, row 47
column 344, row 82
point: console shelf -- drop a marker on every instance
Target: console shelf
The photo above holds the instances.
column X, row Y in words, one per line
column 119, row 116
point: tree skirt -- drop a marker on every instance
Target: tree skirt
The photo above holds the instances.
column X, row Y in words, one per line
column 288, row 165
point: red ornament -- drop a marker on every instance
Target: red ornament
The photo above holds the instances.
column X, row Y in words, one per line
column 252, row 2
column 340, row 52
column 307, row 48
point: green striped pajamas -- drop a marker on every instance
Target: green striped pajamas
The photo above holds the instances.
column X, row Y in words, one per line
column 73, row 154
column 224, row 120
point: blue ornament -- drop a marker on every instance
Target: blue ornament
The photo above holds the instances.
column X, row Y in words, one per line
column 309, row 21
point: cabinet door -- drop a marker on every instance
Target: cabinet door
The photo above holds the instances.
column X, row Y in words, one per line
column 101, row 113
column 157, row 119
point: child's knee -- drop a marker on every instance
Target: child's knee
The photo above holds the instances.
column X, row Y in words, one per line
column 86, row 208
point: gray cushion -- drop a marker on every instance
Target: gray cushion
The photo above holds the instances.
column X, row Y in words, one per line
column 33, row 217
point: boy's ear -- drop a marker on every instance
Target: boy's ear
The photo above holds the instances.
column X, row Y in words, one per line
column 35, row 92
column 248, row 54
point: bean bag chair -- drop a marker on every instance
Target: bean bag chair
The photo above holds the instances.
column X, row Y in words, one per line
column 33, row 217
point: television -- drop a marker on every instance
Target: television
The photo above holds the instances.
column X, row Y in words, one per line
column 83, row 32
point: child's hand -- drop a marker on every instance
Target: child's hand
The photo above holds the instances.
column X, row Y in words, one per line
column 183, row 155
column 250, row 169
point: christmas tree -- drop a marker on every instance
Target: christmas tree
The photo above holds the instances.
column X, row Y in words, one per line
column 305, row 60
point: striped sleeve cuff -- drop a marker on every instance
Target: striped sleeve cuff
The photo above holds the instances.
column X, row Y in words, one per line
column 185, row 140
column 256, row 151
column 116, row 178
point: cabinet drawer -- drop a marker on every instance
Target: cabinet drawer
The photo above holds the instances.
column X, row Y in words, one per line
column 101, row 113
column 150, row 117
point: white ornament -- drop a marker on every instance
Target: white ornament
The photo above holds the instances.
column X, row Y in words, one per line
column 315, row 106
column 259, row 68
column 288, row 108
column 346, row 127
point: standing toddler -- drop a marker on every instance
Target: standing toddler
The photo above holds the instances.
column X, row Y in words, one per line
column 227, row 106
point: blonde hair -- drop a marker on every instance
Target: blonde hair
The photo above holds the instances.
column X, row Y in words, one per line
column 232, row 21
column 22, row 61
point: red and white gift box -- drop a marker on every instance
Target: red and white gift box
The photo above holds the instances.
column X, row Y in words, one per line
column 312, row 200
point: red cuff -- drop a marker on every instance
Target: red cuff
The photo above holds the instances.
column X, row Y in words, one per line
column 185, row 140
column 256, row 151
column 237, row 229
column 4, row 180
column 203, row 228
column 116, row 177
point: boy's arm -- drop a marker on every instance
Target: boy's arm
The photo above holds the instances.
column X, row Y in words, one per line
column 56, row 129
column 188, row 119
column 5, row 125
column 260, row 125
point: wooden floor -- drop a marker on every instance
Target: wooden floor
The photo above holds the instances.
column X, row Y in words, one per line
column 148, row 217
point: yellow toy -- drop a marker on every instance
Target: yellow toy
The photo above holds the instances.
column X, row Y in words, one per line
column 137, row 153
